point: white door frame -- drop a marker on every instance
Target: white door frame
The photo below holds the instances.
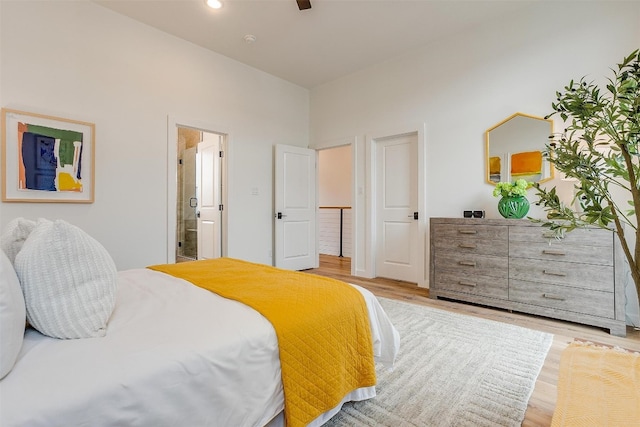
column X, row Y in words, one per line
column 370, row 226
column 173, row 123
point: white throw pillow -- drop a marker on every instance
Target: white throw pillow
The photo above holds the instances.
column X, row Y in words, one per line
column 12, row 316
column 14, row 235
column 68, row 279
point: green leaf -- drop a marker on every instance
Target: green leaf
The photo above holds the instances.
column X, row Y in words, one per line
column 599, row 147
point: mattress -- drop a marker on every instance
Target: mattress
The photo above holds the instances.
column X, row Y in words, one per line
column 174, row 355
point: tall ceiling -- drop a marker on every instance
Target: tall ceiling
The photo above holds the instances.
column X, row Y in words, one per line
column 311, row 47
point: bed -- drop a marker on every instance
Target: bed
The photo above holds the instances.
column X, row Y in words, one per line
column 173, row 354
column 598, row 385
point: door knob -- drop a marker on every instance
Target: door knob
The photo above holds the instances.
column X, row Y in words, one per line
column 279, row 215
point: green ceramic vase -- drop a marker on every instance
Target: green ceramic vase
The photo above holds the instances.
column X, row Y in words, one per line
column 513, row 206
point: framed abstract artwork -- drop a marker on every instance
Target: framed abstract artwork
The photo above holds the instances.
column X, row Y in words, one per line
column 47, row 159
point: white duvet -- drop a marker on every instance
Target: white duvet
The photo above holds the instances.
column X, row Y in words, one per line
column 174, row 355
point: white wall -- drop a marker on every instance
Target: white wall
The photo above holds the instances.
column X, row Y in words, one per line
column 334, row 176
column 463, row 85
column 78, row 60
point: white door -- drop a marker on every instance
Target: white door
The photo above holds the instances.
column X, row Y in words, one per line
column 295, row 208
column 397, row 207
column 208, row 195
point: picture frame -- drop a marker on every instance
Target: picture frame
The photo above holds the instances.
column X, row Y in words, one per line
column 47, row 159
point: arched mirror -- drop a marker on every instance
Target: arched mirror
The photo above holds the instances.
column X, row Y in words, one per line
column 514, row 149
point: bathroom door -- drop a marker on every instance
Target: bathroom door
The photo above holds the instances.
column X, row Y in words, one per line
column 208, row 194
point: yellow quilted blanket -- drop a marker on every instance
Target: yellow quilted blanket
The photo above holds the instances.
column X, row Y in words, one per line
column 322, row 327
column 598, row 386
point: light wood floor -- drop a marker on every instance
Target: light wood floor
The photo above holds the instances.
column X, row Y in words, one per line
column 543, row 399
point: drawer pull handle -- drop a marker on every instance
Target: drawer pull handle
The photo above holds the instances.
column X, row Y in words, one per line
column 553, row 252
column 467, row 245
column 552, row 296
column 558, row 235
column 554, row 273
column 468, row 231
column 467, row 263
column 463, row 283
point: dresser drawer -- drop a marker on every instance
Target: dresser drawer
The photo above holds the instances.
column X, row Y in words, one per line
column 482, row 265
column 560, row 251
column 495, row 287
column 582, row 276
column 580, row 236
column 473, row 246
column 486, row 232
column 576, row 300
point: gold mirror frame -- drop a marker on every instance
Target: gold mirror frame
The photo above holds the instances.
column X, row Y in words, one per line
column 515, row 145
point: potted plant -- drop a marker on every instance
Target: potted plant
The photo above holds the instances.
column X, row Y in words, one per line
column 600, row 149
column 512, row 203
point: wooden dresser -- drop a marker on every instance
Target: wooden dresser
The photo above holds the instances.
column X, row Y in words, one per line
column 518, row 265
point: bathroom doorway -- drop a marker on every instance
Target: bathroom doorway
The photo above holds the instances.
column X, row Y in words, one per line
column 199, row 227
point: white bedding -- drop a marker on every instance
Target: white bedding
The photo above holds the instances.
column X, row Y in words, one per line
column 174, row 355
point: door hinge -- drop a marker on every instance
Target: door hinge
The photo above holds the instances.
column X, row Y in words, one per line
column 220, row 207
column 179, row 244
column 221, row 153
column 179, row 161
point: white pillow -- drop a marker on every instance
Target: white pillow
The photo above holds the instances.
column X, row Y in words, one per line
column 68, row 279
column 14, row 235
column 12, row 316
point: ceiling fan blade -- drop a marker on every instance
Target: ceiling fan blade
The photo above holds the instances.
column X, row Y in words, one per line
column 304, row 4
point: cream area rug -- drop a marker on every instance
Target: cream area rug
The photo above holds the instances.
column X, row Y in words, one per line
column 452, row 370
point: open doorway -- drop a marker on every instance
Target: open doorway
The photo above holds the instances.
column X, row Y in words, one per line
column 199, row 221
column 334, row 202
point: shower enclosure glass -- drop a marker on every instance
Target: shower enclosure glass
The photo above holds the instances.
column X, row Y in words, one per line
column 187, row 238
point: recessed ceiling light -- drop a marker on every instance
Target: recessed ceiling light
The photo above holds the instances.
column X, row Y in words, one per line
column 214, row 4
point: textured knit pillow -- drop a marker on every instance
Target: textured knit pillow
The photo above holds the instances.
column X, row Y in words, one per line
column 14, row 235
column 68, row 280
column 12, row 316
